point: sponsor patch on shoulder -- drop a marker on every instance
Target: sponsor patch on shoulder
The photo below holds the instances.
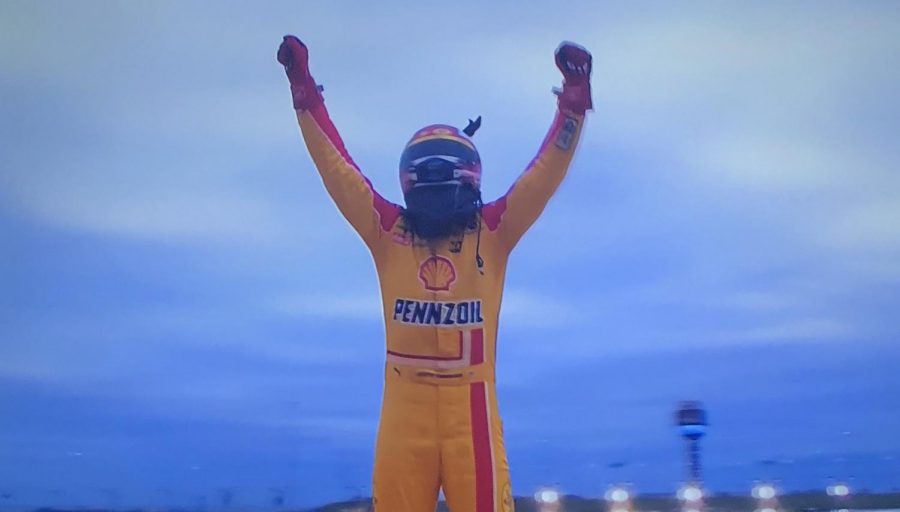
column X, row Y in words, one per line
column 566, row 133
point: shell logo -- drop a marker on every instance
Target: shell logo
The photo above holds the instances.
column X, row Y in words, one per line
column 437, row 274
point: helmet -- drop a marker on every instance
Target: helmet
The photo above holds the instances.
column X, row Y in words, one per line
column 439, row 154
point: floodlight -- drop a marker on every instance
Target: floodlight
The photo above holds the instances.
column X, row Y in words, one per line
column 764, row 492
column 690, row 493
column 547, row 496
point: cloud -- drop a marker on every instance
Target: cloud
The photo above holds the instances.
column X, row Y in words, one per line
column 531, row 308
column 874, row 227
column 813, row 329
column 357, row 307
column 171, row 214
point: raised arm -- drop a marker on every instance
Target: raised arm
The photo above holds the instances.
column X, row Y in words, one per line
column 520, row 207
column 370, row 214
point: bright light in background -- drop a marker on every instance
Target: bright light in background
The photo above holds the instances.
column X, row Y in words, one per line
column 618, row 498
column 547, row 499
column 617, row 495
column 838, row 490
column 767, row 509
column 690, row 493
column 546, row 496
column 764, row 492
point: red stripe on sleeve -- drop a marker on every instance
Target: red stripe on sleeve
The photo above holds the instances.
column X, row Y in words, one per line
column 493, row 212
column 388, row 212
column 554, row 127
column 320, row 115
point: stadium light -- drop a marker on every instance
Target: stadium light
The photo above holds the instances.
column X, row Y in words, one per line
column 838, row 490
column 766, row 497
column 618, row 499
column 764, row 492
column 690, row 493
column 617, row 495
column 546, row 496
column 547, row 500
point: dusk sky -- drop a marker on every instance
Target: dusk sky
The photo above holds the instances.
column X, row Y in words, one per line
column 184, row 311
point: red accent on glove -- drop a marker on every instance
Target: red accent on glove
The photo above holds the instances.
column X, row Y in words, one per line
column 294, row 56
column 575, row 64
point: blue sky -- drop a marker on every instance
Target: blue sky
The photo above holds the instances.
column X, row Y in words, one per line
column 184, row 311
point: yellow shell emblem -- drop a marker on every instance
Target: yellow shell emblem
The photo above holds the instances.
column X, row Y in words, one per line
column 437, row 274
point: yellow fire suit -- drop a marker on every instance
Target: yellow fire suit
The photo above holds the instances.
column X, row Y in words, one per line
column 440, row 425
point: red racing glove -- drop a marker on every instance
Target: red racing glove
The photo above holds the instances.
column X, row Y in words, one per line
column 294, row 56
column 574, row 62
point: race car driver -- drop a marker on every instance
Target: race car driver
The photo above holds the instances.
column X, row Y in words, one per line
column 441, row 262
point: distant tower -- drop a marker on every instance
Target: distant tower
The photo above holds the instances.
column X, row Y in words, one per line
column 691, row 421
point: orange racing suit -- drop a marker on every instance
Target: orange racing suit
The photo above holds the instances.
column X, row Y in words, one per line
column 440, row 425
